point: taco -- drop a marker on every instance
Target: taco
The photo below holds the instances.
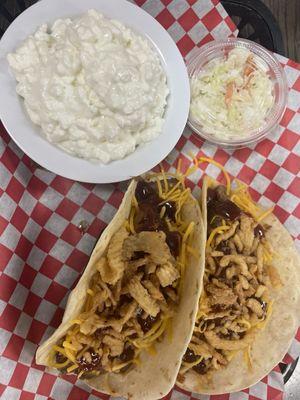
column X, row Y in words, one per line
column 249, row 306
column 130, row 318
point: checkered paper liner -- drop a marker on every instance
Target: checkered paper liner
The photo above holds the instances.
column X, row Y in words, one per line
column 42, row 251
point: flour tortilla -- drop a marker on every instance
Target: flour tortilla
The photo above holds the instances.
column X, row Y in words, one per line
column 156, row 374
column 272, row 343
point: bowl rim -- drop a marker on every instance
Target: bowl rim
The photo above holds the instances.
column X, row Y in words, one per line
column 256, row 134
column 26, row 135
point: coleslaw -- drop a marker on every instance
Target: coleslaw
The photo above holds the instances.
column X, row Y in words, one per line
column 232, row 95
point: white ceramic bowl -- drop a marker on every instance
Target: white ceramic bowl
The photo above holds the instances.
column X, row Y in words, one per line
column 28, row 136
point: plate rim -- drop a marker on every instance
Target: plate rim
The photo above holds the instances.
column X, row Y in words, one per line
column 116, row 171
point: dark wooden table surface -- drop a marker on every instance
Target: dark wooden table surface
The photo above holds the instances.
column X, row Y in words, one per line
column 287, row 13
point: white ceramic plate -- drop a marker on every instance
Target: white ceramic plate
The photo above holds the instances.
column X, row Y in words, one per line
column 27, row 135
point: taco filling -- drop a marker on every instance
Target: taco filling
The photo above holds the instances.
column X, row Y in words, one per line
column 135, row 289
column 235, row 301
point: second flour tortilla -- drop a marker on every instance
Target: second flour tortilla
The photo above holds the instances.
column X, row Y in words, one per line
column 272, row 343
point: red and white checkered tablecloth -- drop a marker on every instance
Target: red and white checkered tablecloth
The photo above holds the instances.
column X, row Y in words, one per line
column 42, row 251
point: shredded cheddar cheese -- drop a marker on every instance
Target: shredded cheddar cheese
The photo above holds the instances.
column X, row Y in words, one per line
column 242, row 200
column 160, row 191
column 182, row 257
column 149, row 339
column 70, row 355
column 137, row 361
column 131, row 219
column 165, row 180
column 247, row 357
column 193, row 168
column 88, row 303
column 68, row 345
column 241, row 197
column 80, row 374
column 174, row 188
column 183, row 198
column 265, row 214
column 152, row 350
column 231, row 354
column 117, row 367
column 211, row 161
column 60, row 365
column 127, row 226
column 174, row 197
column 189, row 231
column 267, row 255
column 170, row 227
column 77, row 321
column 81, row 353
column 179, row 166
column 170, row 330
column 243, row 321
column 214, row 232
column 72, row 368
column 59, row 349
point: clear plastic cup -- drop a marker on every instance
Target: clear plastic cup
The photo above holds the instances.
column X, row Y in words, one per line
column 200, row 57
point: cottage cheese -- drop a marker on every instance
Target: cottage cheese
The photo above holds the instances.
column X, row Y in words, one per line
column 96, row 88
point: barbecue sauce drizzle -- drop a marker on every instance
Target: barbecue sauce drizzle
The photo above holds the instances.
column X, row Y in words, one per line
column 220, row 206
column 148, row 215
